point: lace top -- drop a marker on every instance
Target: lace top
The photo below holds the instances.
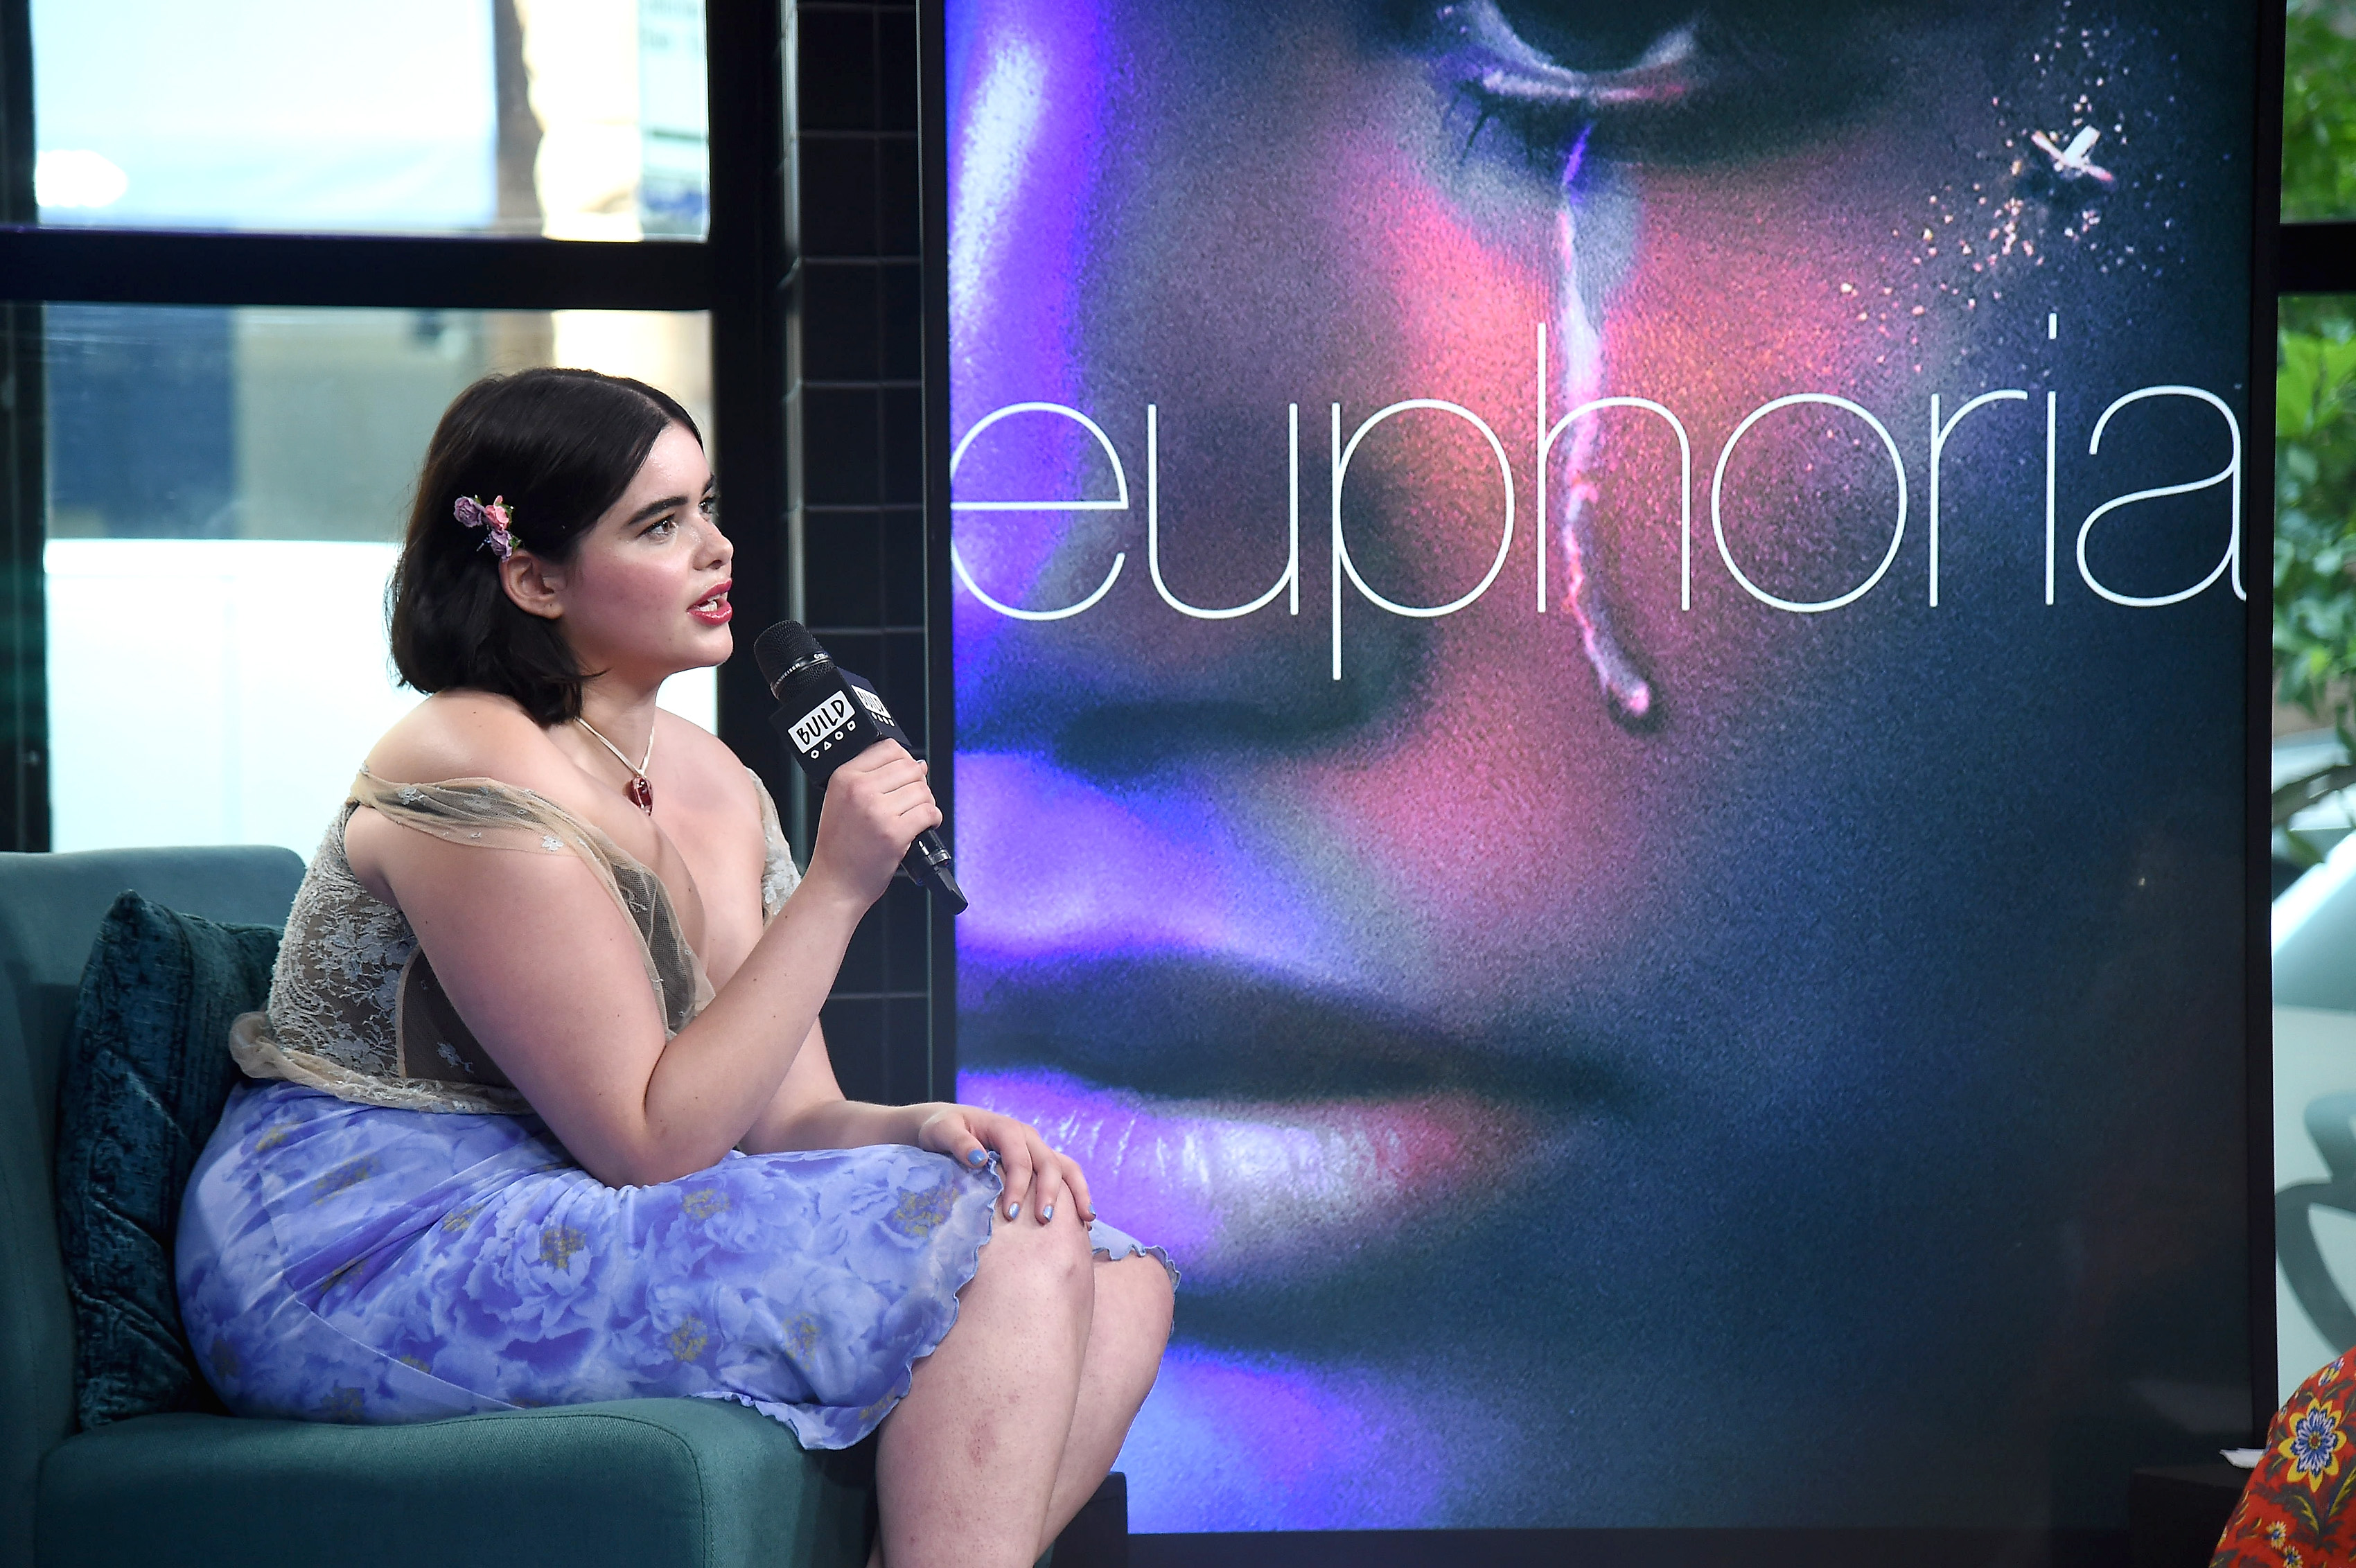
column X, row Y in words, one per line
column 355, row 1009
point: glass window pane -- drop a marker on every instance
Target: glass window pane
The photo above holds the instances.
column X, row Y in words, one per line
column 2315, row 603
column 2319, row 110
column 228, row 488
column 579, row 119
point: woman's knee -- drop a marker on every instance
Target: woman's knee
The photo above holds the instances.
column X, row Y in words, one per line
column 1134, row 1301
column 1046, row 1264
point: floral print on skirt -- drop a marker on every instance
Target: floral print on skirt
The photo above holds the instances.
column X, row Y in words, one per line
column 343, row 1262
column 2299, row 1508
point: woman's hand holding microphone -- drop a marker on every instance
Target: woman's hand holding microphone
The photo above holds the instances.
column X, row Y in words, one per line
column 876, row 804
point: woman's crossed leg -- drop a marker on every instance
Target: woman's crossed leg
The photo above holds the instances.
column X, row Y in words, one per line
column 1011, row 1424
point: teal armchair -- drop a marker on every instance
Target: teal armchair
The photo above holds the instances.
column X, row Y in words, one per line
column 642, row 1483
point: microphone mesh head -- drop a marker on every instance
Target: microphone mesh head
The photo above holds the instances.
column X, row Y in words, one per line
column 781, row 647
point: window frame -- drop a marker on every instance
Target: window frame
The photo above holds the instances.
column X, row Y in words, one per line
column 2316, row 257
column 739, row 273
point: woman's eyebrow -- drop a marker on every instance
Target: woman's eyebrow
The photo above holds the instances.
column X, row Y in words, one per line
column 656, row 510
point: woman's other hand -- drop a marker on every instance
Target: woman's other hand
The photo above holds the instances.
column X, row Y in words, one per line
column 1040, row 1181
column 876, row 804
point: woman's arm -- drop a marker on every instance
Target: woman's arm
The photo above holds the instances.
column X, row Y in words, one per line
column 548, row 974
column 810, row 1113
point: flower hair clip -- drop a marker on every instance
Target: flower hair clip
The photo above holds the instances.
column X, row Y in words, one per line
column 495, row 517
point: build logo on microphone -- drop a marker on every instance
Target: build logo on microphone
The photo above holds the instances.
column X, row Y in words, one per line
column 812, row 730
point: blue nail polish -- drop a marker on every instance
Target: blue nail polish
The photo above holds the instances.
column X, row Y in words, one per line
column 1048, row 1212
column 975, row 1157
column 1014, row 1210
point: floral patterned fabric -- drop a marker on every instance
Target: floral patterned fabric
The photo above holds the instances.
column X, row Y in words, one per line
column 2298, row 1511
column 345, row 1262
column 376, row 1235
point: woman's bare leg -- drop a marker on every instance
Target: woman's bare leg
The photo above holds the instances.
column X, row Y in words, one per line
column 967, row 1463
column 1126, row 1332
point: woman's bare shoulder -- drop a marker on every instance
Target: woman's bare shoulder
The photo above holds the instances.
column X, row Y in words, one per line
column 452, row 735
column 470, row 735
column 710, row 774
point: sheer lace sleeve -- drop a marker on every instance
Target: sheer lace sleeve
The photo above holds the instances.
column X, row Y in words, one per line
column 355, row 1006
column 780, row 877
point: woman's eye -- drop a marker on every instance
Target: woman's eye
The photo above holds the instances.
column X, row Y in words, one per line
column 1521, row 61
column 662, row 528
column 1650, row 78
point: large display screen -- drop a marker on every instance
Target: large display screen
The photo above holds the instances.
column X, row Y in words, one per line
column 1599, row 659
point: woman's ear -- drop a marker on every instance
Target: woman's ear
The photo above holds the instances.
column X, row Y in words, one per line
column 535, row 588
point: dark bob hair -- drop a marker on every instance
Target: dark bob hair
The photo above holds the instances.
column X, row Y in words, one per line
column 560, row 446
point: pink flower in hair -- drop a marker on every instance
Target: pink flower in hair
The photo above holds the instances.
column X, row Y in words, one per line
column 472, row 513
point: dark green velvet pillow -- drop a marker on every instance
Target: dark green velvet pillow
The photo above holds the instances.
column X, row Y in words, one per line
column 146, row 1072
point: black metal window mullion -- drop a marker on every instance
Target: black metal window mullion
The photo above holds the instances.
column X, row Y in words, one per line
column 23, row 481
column 123, row 266
column 750, row 278
column 2316, row 258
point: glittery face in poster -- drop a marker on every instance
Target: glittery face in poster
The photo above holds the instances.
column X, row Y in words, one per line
column 1598, row 662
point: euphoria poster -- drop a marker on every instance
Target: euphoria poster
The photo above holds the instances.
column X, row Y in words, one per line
column 1599, row 657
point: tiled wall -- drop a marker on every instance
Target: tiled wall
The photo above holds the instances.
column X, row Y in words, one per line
column 856, row 496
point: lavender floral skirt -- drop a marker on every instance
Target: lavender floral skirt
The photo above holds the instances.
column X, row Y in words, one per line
column 340, row 1262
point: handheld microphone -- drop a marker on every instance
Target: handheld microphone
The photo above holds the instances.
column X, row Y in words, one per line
column 826, row 716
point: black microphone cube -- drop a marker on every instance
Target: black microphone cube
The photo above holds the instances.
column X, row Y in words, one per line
column 828, row 716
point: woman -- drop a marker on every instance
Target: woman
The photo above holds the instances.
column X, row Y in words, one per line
column 552, row 973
